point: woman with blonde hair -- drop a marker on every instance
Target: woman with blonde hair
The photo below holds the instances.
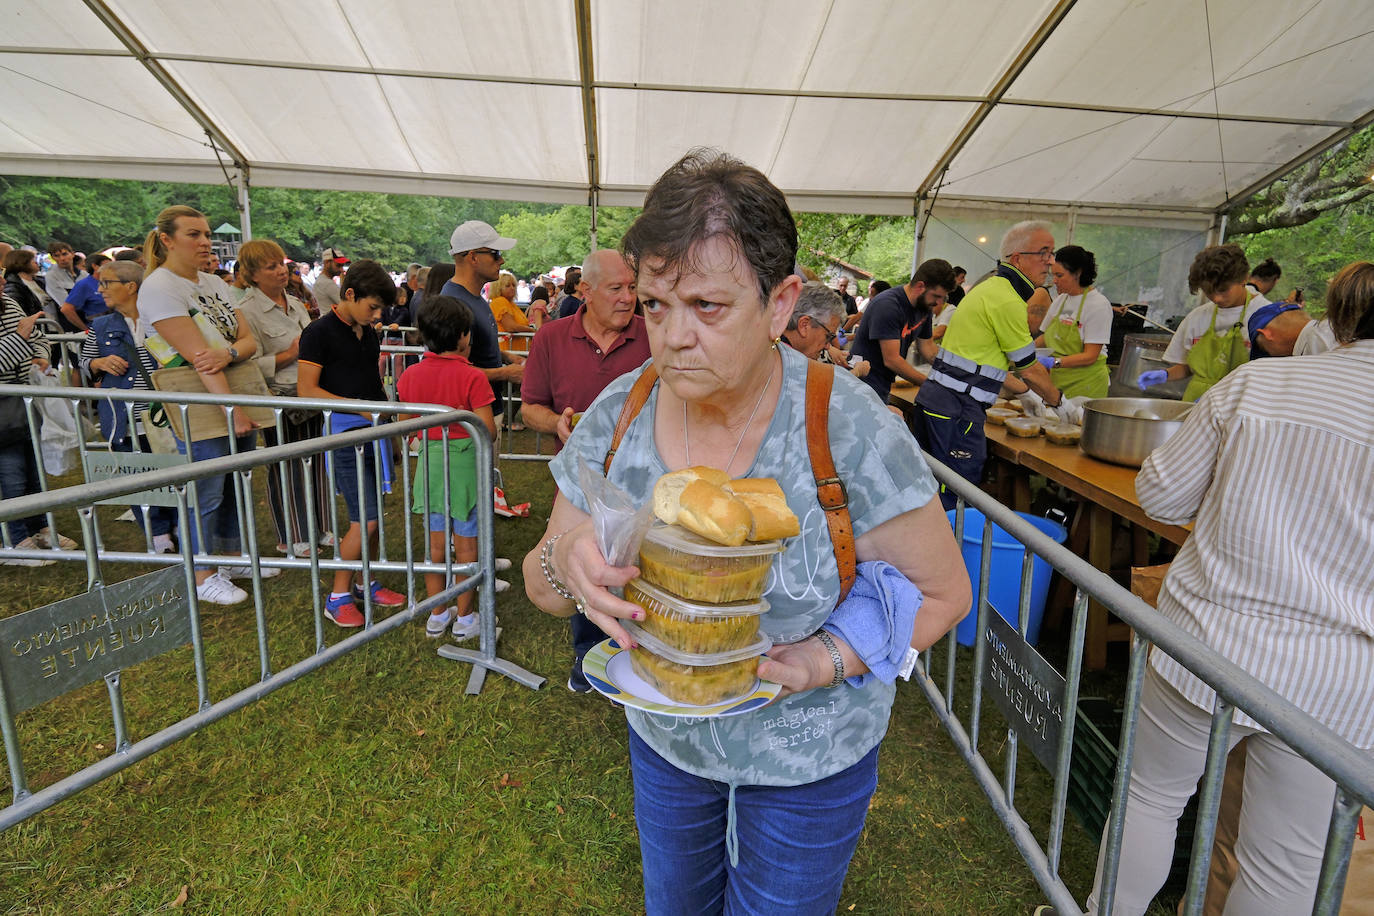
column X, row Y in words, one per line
column 276, row 319
column 509, row 317
column 175, row 289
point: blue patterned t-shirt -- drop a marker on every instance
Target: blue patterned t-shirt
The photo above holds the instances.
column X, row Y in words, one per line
column 810, row 735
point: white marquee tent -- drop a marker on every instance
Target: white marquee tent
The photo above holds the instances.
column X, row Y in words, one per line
column 1161, row 112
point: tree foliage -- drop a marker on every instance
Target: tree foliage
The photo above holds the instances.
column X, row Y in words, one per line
column 1335, row 179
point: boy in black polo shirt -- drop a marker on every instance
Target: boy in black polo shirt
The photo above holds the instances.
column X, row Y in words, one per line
column 338, row 359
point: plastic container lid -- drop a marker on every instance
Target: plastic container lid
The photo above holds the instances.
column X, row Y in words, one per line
column 669, row 604
column 657, row 646
column 674, row 537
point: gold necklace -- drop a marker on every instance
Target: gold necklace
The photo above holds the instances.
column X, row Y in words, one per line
column 686, row 438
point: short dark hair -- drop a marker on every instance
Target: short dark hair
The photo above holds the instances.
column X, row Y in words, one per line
column 959, row 270
column 1350, row 302
column 539, row 292
column 877, row 286
column 443, row 320
column 367, row 278
column 57, row 245
column 709, row 194
column 1268, row 269
column 128, row 254
column 1078, row 261
column 935, row 272
column 95, row 260
column 570, row 281
column 1217, row 267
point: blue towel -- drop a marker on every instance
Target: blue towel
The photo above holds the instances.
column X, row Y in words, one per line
column 876, row 619
column 340, row 422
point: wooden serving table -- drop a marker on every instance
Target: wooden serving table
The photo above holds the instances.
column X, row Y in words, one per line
column 1106, row 491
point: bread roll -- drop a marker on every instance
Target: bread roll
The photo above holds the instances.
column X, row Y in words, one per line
column 668, row 490
column 710, row 511
column 771, row 518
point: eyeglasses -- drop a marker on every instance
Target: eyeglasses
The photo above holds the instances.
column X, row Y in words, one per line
column 106, row 284
column 1042, row 253
column 492, row 252
column 829, row 334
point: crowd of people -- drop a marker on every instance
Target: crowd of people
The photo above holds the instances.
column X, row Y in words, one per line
column 701, row 341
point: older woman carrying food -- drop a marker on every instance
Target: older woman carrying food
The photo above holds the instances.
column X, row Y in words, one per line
column 276, row 318
column 761, row 810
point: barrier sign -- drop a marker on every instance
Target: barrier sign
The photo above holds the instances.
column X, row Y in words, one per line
column 1026, row 688
column 55, row 649
column 105, row 465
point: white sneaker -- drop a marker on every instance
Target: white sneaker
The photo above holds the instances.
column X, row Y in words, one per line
column 29, row 543
column 219, row 590
column 246, row 572
column 438, row 623
column 466, row 627
column 44, row 540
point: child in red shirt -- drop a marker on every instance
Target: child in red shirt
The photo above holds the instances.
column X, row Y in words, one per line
column 444, row 376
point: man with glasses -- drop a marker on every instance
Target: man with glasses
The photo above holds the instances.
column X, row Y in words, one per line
column 988, row 336
column 478, row 252
column 896, row 313
column 85, row 302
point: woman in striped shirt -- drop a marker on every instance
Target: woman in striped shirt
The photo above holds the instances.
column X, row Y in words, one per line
column 1273, row 466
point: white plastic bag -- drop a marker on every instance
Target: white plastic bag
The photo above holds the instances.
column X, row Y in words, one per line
column 60, row 429
column 619, row 526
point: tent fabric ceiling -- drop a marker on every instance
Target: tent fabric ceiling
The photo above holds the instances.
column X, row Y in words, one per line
column 1165, row 107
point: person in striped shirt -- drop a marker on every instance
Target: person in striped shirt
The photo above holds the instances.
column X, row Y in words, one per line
column 1273, row 467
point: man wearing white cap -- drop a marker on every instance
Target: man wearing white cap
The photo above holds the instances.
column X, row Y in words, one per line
column 326, row 288
column 478, row 252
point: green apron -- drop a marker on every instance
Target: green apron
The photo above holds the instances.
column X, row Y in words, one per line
column 1215, row 355
column 1064, row 337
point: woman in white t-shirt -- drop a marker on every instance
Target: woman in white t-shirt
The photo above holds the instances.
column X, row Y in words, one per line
column 1077, row 327
column 178, row 249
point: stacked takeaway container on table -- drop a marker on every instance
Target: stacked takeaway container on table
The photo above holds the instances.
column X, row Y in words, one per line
column 703, row 570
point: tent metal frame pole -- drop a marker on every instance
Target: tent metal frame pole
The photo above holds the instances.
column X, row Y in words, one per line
column 245, row 208
column 587, row 74
column 922, row 213
column 165, row 79
column 1000, row 89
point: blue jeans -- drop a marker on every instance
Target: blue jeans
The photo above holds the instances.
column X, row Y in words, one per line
column 19, row 477
column 794, row 842
column 346, row 481
column 218, row 514
column 161, row 519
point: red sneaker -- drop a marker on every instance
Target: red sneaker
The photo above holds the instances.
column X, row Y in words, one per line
column 381, row 596
column 343, row 612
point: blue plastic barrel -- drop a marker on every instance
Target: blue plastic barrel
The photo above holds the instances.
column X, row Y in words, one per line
column 1004, row 586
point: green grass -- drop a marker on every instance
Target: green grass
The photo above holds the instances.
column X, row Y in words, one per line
column 378, row 786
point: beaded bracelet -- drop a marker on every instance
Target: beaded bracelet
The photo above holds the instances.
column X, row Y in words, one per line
column 835, row 658
column 546, row 566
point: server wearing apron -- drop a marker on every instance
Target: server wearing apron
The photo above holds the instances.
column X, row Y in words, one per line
column 1211, row 340
column 1076, row 327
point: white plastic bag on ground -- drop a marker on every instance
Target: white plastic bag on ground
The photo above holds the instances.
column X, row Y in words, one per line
column 60, row 429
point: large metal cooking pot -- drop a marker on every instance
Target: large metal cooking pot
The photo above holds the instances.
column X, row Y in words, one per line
column 1126, row 430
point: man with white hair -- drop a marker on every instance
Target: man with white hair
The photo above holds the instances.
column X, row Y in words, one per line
column 326, row 289
column 571, row 360
column 988, row 336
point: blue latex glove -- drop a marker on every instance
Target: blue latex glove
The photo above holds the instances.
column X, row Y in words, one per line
column 1152, row 378
column 1046, row 361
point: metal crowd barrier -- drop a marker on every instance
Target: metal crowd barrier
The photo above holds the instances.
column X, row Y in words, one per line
column 1337, row 758
column 395, row 357
column 178, row 618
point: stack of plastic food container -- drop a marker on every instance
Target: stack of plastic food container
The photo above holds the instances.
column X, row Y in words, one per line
column 699, row 641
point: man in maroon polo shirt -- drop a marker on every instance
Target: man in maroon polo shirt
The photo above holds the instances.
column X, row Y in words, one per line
column 571, row 360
